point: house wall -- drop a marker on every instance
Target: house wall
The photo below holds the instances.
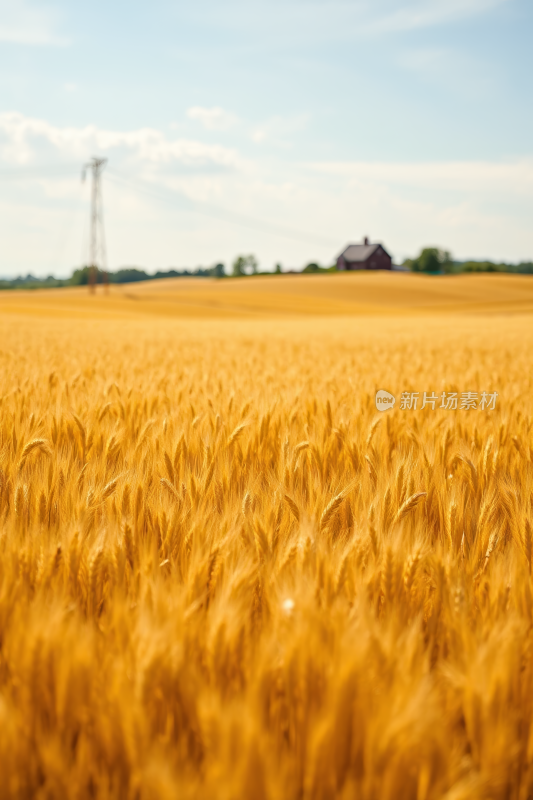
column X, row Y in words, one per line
column 379, row 260
column 352, row 265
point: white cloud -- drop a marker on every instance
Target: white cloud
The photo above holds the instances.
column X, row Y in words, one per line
column 403, row 16
column 276, row 130
column 24, row 139
column 515, row 177
column 478, row 209
column 181, row 201
column 23, row 23
column 312, row 21
column 213, row 119
column 461, row 74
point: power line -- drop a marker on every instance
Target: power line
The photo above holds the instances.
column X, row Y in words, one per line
column 34, row 173
column 175, row 197
column 216, row 212
column 69, row 226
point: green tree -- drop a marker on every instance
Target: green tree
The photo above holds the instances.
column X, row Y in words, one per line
column 128, row 275
column 431, row 259
column 482, row 266
column 278, row 269
column 218, row 271
column 80, row 277
column 245, row 265
column 238, row 267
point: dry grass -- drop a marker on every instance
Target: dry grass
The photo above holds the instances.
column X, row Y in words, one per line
column 221, row 577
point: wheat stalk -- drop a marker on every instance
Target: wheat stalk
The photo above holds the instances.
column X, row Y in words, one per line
column 171, row 488
column 293, row 507
column 334, row 505
column 40, row 445
column 409, row 505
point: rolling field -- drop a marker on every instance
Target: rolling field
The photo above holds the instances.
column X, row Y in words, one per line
column 285, row 296
column 224, row 575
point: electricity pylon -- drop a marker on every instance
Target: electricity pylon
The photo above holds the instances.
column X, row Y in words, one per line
column 98, row 251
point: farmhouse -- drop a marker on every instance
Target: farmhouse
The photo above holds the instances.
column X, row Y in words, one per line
column 364, row 256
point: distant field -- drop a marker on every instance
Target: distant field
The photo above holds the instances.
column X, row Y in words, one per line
column 286, row 295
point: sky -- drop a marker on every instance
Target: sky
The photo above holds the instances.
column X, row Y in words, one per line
column 286, row 128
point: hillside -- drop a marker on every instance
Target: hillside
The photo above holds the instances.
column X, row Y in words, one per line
column 286, row 295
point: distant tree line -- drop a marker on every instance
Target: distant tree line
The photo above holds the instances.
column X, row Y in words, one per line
column 80, row 277
column 315, row 269
column 431, row 261
column 242, row 266
column 434, row 261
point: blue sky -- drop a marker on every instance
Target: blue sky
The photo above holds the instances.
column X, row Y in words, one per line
column 286, row 129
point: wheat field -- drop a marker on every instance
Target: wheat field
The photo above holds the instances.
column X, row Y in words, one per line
column 225, row 576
